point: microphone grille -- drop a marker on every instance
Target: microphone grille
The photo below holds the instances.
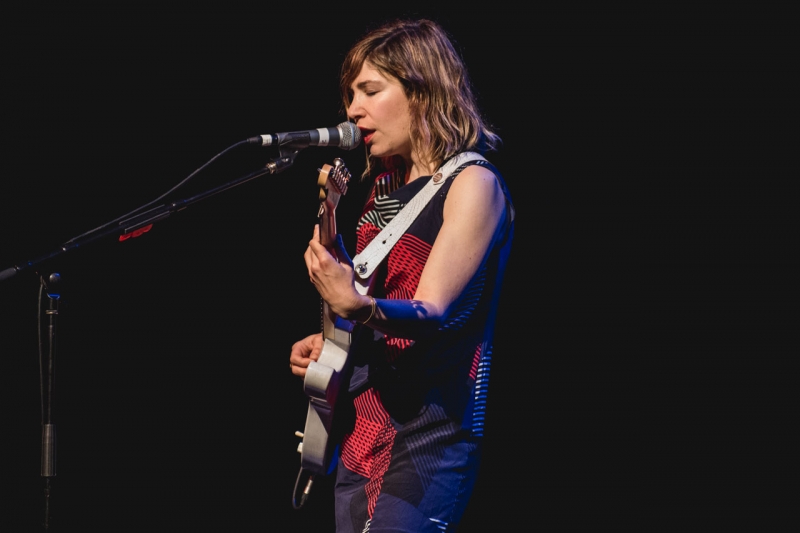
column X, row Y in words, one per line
column 350, row 135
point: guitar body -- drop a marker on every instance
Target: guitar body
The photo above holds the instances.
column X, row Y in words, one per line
column 323, row 382
column 325, row 377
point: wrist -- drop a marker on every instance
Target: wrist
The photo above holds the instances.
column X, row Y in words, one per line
column 365, row 310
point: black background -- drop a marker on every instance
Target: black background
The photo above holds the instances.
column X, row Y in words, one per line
column 643, row 377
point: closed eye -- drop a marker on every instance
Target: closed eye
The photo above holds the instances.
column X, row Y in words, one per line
column 369, row 87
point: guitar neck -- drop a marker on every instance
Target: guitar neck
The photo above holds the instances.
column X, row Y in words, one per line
column 327, row 235
column 332, row 181
column 327, row 223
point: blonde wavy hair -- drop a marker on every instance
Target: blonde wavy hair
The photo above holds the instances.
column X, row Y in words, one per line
column 445, row 118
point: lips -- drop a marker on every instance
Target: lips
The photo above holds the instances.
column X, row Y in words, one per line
column 366, row 135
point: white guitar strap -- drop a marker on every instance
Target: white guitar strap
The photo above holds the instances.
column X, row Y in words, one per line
column 370, row 258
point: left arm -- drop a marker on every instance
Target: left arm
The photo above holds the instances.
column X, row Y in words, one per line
column 474, row 214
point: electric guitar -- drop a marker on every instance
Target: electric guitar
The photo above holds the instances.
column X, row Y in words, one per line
column 324, row 377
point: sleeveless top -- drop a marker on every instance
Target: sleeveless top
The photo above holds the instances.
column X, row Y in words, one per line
column 429, row 391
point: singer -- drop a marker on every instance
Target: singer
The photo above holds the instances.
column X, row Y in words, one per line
column 410, row 452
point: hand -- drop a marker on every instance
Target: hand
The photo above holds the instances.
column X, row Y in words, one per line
column 303, row 352
column 333, row 276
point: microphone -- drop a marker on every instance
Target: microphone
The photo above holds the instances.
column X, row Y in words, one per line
column 346, row 135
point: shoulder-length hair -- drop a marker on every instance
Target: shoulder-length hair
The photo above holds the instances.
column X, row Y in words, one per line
column 445, row 118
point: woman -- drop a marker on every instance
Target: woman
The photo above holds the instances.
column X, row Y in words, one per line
column 409, row 461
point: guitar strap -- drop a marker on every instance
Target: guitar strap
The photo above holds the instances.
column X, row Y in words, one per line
column 370, row 258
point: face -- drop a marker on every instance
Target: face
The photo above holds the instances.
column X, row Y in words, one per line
column 381, row 111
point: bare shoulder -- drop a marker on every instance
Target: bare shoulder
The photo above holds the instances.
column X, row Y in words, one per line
column 474, row 174
column 477, row 189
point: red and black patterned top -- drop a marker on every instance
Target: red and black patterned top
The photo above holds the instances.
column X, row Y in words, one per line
column 417, row 396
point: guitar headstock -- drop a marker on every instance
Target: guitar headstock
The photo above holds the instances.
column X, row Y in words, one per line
column 332, row 181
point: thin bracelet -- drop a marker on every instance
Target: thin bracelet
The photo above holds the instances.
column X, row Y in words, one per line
column 372, row 313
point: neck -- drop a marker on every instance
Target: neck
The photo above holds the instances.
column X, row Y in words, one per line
column 415, row 168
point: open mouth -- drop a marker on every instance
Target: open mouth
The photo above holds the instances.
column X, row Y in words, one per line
column 366, row 135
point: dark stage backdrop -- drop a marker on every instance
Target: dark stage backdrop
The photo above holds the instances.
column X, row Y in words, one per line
column 619, row 397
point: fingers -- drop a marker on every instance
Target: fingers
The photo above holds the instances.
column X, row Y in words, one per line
column 314, row 244
column 315, row 251
column 317, row 247
column 303, row 352
column 314, row 255
column 311, row 262
column 317, row 254
column 319, row 261
column 336, row 249
column 306, row 349
column 298, row 370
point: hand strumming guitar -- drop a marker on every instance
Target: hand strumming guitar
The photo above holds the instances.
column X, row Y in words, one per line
column 303, row 352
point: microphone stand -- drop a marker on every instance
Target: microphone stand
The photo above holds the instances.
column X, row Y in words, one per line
column 129, row 227
column 47, row 370
column 142, row 222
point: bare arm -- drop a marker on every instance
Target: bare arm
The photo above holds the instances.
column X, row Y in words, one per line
column 473, row 215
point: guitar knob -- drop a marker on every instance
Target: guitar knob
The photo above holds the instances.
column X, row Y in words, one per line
column 299, row 434
column 300, row 448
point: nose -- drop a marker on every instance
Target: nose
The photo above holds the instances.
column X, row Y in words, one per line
column 355, row 110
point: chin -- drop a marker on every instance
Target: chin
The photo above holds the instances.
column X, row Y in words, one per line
column 376, row 152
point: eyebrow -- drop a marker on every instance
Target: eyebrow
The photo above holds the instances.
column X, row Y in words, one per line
column 362, row 85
